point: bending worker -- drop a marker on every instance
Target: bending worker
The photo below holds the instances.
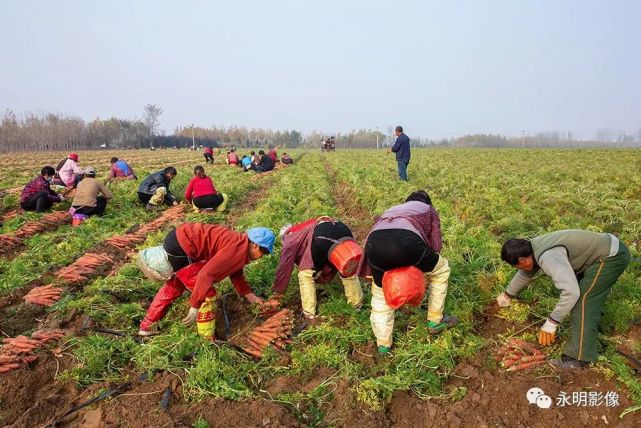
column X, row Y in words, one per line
column 121, row 170
column 202, row 194
column 584, row 266
column 69, row 171
column 311, row 246
column 406, row 235
column 154, row 190
column 92, row 196
column 195, row 256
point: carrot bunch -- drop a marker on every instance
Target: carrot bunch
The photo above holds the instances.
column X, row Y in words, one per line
column 518, row 355
column 171, row 214
column 270, row 307
column 123, row 242
column 20, row 345
column 9, row 243
column 12, row 362
column 84, row 267
column 275, row 331
column 46, row 222
column 46, row 336
column 46, row 295
column 17, row 351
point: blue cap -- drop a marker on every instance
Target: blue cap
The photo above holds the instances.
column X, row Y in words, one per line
column 263, row 237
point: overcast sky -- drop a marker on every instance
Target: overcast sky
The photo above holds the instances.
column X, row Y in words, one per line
column 440, row 69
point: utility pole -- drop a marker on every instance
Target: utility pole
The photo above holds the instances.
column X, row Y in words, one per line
column 193, row 137
column 523, row 139
column 377, row 138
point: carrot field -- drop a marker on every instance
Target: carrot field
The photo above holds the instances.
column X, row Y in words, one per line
column 331, row 374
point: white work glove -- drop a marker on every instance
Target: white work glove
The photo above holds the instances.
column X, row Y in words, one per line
column 191, row 317
column 547, row 333
column 549, row 326
column 504, row 300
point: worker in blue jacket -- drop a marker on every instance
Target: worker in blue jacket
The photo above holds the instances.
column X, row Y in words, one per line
column 402, row 149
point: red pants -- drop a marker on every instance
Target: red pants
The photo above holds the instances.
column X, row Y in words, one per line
column 185, row 279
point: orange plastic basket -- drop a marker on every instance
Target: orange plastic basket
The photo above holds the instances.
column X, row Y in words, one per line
column 403, row 286
column 346, row 256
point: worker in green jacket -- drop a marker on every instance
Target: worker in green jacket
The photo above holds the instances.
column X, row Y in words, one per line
column 584, row 266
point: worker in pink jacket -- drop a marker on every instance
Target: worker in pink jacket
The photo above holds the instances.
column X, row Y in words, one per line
column 69, row 172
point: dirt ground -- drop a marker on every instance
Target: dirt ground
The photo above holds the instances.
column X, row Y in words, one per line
column 494, row 397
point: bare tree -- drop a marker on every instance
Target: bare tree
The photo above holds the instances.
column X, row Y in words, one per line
column 152, row 113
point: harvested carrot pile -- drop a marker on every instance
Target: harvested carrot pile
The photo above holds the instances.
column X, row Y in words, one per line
column 18, row 351
column 171, row 214
column 518, row 355
column 11, row 214
column 46, row 336
column 124, row 242
column 46, row 295
column 9, row 243
column 84, row 268
column 46, row 222
column 275, row 331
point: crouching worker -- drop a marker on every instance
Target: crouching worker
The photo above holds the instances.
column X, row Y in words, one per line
column 287, row 159
column 202, row 194
column 154, row 190
column 194, row 257
column 320, row 247
column 69, row 173
column 121, row 170
column 37, row 195
column 406, row 236
column 584, row 266
column 92, row 196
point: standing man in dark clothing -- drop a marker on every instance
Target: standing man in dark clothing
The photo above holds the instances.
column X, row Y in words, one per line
column 402, row 149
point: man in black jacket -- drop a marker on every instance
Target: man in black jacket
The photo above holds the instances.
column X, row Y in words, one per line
column 266, row 163
column 154, row 190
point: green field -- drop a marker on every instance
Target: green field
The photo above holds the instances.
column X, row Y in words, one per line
column 332, row 376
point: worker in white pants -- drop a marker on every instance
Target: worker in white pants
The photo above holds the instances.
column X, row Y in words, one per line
column 382, row 316
column 407, row 235
column 353, row 291
column 309, row 246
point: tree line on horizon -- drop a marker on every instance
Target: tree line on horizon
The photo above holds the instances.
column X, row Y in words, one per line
column 57, row 132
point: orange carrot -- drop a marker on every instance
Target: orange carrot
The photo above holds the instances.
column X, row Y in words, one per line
column 509, row 363
column 262, row 340
column 530, row 358
column 256, row 344
column 25, row 339
column 29, row 359
column 525, row 345
column 8, row 367
column 253, row 352
column 7, row 359
column 263, row 335
column 524, row 366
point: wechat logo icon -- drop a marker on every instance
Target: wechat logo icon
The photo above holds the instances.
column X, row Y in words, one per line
column 537, row 396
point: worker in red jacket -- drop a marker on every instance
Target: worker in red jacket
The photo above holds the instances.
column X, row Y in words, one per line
column 310, row 245
column 202, row 194
column 201, row 255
